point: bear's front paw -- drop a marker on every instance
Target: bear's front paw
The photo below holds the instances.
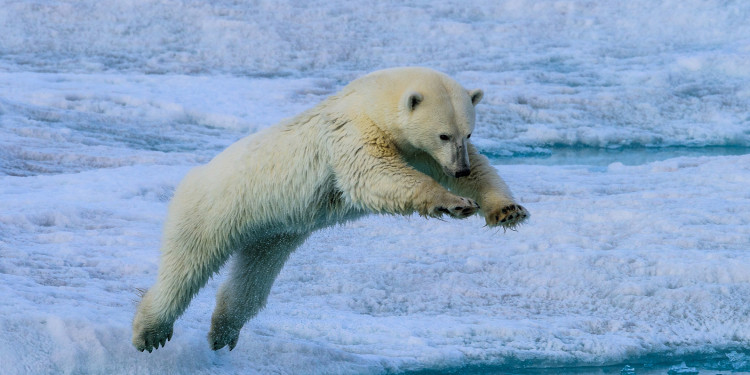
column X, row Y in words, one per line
column 508, row 217
column 456, row 207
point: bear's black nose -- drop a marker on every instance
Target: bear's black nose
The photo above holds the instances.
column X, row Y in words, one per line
column 463, row 173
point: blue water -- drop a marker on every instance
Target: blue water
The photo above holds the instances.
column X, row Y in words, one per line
column 602, row 157
column 717, row 363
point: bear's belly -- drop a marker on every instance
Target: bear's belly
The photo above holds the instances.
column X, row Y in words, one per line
column 334, row 210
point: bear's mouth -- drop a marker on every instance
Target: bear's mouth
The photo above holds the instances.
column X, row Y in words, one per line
column 456, row 173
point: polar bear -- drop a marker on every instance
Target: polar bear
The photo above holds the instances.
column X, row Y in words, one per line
column 394, row 141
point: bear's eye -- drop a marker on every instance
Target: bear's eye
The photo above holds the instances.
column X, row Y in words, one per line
column 444, row 137
column 468, row 136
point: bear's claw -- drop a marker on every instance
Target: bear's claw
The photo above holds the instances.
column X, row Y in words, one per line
column 153, row 338
column 149, row 331
column 222, row 336
column 459, row 208
column 508, row 217
column 216, row 345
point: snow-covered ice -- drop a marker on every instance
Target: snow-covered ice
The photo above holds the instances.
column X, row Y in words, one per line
column 105, row 105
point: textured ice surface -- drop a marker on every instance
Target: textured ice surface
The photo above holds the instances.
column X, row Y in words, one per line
column 614, row 264
column 600, row 74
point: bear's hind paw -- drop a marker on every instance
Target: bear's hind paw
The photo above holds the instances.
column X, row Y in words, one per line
column 223, row 336
column 153, row 337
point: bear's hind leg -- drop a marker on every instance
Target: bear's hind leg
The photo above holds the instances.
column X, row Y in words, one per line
column 244, row 294
column 184, row 269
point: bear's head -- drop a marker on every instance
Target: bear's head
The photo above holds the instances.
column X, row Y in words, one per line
column 424, row 111
column 439, row 121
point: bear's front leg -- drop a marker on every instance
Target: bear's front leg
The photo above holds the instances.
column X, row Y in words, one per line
column 486, row 186
column 379, row 179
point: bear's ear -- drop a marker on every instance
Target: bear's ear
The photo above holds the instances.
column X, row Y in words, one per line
column 476, row 96
column 412, row 100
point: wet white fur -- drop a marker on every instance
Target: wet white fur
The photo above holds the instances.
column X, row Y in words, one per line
column 362, row 150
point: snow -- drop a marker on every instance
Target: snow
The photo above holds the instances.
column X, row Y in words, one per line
column 105, row 105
